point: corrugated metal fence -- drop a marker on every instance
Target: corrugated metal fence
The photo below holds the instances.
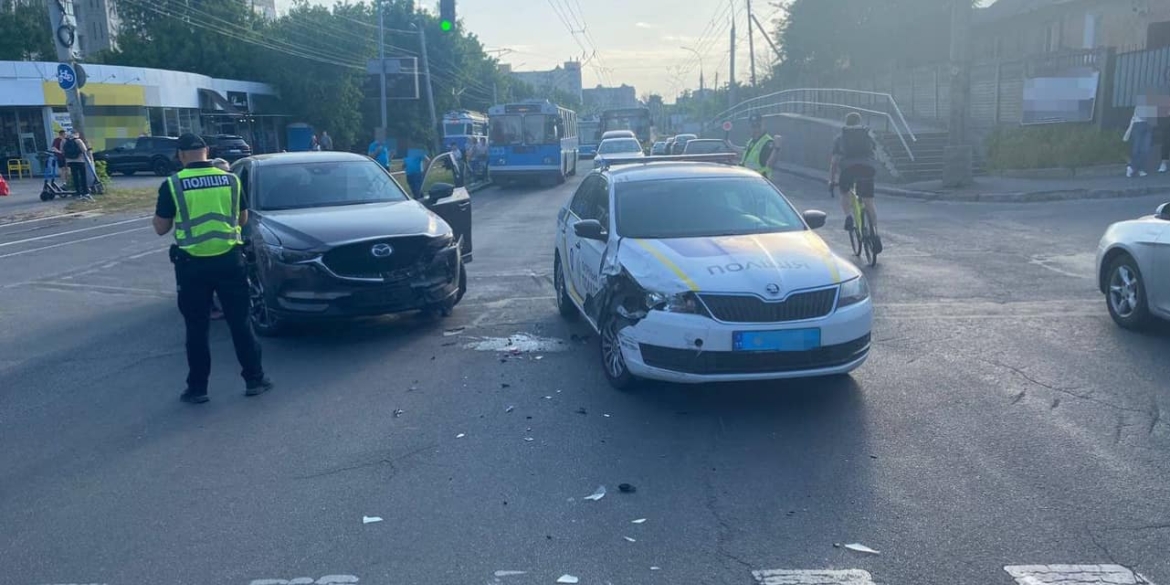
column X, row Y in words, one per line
column 1137, row 72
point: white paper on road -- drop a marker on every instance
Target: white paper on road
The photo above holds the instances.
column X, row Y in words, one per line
column 639, row 521
column 460, row 436
column 812, row 577
column 567, row 578
column 597, row 495
column 371, row 519
column 509, row 573
column 628, row 539
column 861, row 548
column 1080, row 574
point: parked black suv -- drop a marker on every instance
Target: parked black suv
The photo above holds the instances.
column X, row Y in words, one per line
column 228, row 147
column 157, row 154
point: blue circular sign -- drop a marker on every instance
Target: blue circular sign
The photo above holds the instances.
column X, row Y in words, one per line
column 66, row 77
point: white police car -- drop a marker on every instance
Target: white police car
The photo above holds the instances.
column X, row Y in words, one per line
column 699, row 272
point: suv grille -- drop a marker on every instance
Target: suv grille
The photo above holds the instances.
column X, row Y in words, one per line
column 751, row 309
column 357, row 261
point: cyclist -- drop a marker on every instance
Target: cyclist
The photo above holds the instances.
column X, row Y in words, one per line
column 853, row 165
column 758, row 152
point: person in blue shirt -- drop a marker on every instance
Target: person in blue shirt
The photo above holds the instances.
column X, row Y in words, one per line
column 415, row 165
column 379, row 152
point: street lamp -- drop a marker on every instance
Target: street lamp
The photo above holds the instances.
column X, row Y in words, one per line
column 698, row 56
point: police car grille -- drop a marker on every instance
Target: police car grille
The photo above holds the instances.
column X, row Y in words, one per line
column 753, row 362
column 751, row 309
column 356, row 260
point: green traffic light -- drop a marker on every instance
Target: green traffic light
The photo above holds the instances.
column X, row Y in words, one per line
column 445, row 25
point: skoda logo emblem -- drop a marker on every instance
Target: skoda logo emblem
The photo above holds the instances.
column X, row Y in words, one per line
column 773, row 289
column 381, row 250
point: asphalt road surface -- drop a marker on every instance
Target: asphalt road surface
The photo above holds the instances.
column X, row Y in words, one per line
column 1001, row 421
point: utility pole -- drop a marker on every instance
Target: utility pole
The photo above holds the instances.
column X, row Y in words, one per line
column 731, row 89
column 751, row 43
column 382, row 67
column 62, row 28
column 422, row 37
column 958, row 154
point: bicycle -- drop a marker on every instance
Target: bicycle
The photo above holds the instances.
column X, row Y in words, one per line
column 862, row 237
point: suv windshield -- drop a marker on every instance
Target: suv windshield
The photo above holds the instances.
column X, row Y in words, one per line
column 708, row 207
column 619, row 146
column 324, row 184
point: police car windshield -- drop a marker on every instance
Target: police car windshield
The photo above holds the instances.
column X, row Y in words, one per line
column 703, row 207
column 324, row 184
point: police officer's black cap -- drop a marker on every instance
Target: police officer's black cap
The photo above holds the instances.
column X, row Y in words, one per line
column 755, row 119
column 191, row 141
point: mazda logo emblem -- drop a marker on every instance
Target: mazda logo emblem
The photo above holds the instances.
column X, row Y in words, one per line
column 381, row 250
column 773, row 289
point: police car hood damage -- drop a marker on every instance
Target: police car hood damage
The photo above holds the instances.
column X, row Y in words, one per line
column 316, row 227
column 769, row 265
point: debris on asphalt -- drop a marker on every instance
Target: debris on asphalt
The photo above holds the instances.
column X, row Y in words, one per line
column 567, row 578
column 539, row 357
column 655, row 569
column 509, row 573
column 548, row 397
column 454, row 331
column 510, row 409
column 626, row 488
column 597, row 495
column 450, row 343
column 861, row 548
column 873, row 456
column 371, row 519
column 529, row 439
column 516, row 344
column 606, row 415
column 836, row 545
column 628, row 539
column 398, row 412
column 582, row 410
column 505, row 385
column 460, row 436
column 639, row 521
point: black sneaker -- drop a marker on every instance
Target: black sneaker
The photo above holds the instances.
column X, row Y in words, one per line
column 258, row 388
column 877, row 244
column 848, row 223
column 194, row 398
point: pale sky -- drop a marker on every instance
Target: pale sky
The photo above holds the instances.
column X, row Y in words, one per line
column 637, row 42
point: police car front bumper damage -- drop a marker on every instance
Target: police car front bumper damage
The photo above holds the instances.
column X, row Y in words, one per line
column 309, row 290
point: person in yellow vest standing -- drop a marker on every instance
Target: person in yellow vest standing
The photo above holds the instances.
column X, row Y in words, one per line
column 206, row 208
column 758, row 152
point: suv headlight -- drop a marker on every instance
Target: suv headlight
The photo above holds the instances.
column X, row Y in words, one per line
column 289, row 256
column 685, row 302
column 853, row 292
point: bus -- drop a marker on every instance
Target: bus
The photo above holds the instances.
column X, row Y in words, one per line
column 463, row 126
column 589, row 136
column 634, row 119
column 532, row 139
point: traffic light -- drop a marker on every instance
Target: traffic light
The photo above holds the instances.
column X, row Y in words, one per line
column 447, row 14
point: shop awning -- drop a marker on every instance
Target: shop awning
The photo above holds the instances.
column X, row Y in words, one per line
column 211, row 100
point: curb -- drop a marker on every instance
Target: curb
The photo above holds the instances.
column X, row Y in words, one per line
column 1002, row 197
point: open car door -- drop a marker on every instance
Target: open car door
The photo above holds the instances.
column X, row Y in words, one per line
column 445, row 193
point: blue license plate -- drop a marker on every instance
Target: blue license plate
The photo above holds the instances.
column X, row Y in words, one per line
column 787, row 340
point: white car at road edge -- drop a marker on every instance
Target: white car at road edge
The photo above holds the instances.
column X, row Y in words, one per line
column 1133, row 269
column 696, row 272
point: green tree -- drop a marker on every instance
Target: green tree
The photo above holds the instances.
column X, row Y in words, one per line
column 25, row 34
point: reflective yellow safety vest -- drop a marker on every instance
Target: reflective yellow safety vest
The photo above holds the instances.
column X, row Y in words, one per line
column 208, row 204
column 751, row 155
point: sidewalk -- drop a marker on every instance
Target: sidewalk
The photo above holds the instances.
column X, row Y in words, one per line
column 992, row 188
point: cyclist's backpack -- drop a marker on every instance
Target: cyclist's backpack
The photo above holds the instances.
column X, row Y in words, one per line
column 72, row 149
column 856, row 143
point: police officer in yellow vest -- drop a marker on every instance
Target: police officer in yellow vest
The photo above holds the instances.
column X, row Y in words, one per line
column 206, row 208
column 757, row 154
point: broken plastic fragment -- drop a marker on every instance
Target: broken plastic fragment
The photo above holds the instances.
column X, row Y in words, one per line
column 597, row 495
column 455, row 331
column 639, row 521
column 629, row 539
column 529, row 439
column 509, row 573
column 655, row 569
column 371, row 519
column 548, row 397
column 510, row 409
column 626, row 488
column 567, row 578
column 861, row 548
column 539, row 357
column 605, row 415
column 460, row 436
column 398, row 412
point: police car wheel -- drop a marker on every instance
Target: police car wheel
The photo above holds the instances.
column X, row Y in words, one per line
column 612, row 361
column 564, row 304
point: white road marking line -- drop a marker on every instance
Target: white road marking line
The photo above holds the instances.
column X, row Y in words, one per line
column 1079, row 574
column 326, row 580
column 71, row 242
column 813, row 577
column 76, row 231
column 103, row 288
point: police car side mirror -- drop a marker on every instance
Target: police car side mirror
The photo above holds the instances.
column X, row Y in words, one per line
column 590, row 229
column 815, row 219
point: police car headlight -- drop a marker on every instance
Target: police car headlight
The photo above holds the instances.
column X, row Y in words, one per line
column 686, row 303
column 853, row 292
column 289, row 256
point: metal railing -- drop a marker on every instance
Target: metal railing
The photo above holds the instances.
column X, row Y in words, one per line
column 812, row 101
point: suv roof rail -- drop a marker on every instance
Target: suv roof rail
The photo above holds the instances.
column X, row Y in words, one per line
column 725, row 158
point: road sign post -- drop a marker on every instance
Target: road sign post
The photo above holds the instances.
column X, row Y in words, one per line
column 66, row 77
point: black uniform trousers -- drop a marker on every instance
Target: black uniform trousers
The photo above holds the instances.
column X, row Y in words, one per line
column 197, row 279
